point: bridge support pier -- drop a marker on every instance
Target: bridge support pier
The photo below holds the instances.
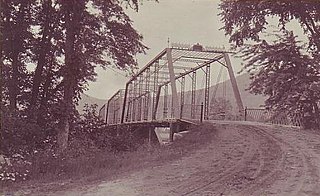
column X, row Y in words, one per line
column 174, row 128
column 171, row 132
column 152, row 138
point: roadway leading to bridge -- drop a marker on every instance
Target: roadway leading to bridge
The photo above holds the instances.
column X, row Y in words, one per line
column 244, row 159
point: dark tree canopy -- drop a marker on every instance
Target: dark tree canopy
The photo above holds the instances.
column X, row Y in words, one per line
column 50, row 49
column 283, row 65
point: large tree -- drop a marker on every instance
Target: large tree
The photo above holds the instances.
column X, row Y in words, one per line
column 64, row 41
column 98, row 36
column 16, row 42
column 284, row 64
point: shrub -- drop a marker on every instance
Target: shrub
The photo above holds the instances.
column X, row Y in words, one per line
column 14, row 168
column 18, row 135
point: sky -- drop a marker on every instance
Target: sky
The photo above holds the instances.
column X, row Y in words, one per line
column 182, row 21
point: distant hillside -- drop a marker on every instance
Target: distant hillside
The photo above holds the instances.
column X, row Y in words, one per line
column 86, row 99
column 243, row 81
column 248, row 99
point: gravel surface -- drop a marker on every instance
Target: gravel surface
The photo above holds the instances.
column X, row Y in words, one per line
column 244, row 159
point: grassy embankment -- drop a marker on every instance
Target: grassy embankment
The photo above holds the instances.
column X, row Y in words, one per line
column 98, row 166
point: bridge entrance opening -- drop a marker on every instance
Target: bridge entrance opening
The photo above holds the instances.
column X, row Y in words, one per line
column 174, row 85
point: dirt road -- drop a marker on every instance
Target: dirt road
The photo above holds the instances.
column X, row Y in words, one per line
column 244, row 159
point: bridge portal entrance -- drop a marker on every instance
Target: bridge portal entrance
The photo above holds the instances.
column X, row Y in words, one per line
column 173, row 85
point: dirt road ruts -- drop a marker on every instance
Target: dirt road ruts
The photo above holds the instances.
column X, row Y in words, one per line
column 244, row 159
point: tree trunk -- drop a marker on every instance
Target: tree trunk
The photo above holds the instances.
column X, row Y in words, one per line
column 13, row 84
column 317, row 115
column 42, row 57
column 69, row 83
column 41, row 119
column 17, row 47
column 63, row 134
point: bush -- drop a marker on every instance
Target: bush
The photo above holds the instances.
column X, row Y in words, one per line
column 122, row 142
column 18, row 135
column 28, row 151
column 14, row 168
column 21, row 139
column 88, row 133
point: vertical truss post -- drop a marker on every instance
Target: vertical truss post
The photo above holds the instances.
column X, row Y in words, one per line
column 155, row 86
column 193, row 93
column 128, row 112
column 128, row 116
column 118, row 110
column 165, row 102
column 172, row 107
column 234, row 83
column 146, row 100
column 114, row 112
column 140, row 80
column 183, row 82
column 115, row 106
column 107, row 111
column 134, row 101
column 154, row 114
column 174, row 103
column 142, row 108
column 206, row 93
column 124, row 103
column 130, row 103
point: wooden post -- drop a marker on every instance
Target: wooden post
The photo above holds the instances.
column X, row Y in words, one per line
column 172, row 127
column 150, row 135
column 245, row 114
column 201, row 112
column 177, row 130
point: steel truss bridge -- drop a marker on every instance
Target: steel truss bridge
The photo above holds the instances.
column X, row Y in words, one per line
column 168, row 89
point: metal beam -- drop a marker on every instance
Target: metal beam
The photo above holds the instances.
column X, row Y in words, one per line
column 193, row 93
column 118, row 93
column 194, row 69
column 155, row 85
column 206, row 93
column 234, row 83
column 183, row 81
column 146, row 100
column 165, row 102
column 108, row 103
column 154, row 114
column 182, row 67
column 140, row 98
column 163, row 52
column 173, row 83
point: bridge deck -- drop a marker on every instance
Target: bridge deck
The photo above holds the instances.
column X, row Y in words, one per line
column 155, row 123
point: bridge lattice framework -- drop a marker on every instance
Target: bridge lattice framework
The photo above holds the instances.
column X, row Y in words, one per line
column 159, row 90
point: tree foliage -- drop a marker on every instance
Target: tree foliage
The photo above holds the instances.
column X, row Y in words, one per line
column 283, row 65
column 49, row 52
column 220, row 108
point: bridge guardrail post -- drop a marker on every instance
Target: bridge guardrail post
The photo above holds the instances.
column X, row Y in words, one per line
column 201, row 112
column 245, row 114
column 172, row 127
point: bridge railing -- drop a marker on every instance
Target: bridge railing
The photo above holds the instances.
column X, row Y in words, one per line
column 114, row 108
column 169, row 80
column 268, row 116
column 191, row 112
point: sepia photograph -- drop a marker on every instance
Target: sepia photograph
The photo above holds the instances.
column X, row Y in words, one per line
column 160, row 98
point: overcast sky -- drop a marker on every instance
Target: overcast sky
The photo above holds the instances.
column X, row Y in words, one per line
column 184, row 21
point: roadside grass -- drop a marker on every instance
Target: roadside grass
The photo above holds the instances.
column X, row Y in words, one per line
column 92, row 167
